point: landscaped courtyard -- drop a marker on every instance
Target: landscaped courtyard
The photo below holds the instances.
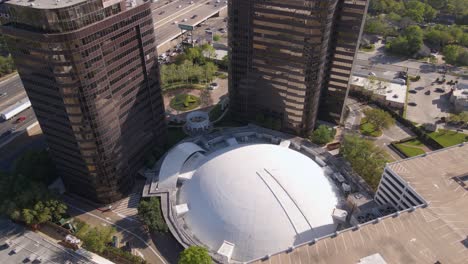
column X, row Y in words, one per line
column 368, row 129
column 185, row 102
column 448, row 138
column 411, row 148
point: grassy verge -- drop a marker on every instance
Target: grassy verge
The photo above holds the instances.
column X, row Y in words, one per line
column 368, row 129
column 448, row 138
column 185, row 102
column 409, row 151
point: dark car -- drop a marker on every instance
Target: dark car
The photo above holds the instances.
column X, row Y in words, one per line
column 439, row 90
column 412, row 104
column 412, row 91
column 194, row 16
column 428, row 92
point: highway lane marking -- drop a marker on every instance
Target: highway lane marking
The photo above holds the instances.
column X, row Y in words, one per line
column 119, row 227
column 178, row 14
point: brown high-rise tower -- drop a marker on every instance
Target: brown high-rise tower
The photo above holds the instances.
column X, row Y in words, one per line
column 291, row 60
column 90, row 70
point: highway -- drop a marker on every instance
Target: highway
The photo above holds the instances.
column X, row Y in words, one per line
column 164, row 17
column 14, row 89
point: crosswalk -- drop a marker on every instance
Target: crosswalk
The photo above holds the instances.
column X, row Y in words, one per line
column 127, row 207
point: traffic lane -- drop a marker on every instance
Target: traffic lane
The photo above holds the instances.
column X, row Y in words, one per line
column 6, row 125
column 171, row 30
column 168, row 14
column 14, row 89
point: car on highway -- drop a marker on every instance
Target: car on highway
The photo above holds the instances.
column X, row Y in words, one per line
column 179, row 6
column 175, row 22
column 194, row 16
column 3, row 95
column 20, row 119
column 372, row 74
column 162, row 12
column 6, row 133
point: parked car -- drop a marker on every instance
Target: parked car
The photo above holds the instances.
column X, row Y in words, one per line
column 412, row 104
column 20, row 119
column 194, row 16
column 439, row 90
column 162, row 12
column 428, row 92
column 3, row 95
column 399, row 81
column 412, row 91
column 213, row 86
column 184, row 20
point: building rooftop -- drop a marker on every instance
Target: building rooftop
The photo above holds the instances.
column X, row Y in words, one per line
column 393, row 91
column 435, row 232
column 234, row 192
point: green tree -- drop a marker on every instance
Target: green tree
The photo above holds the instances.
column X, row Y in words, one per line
column 37, row 165
column 208, row 51
column 408, row 43
column 366, row 159
column 150, row 212
column 195, row 255
column 322, row 135
column 216, row 38
column 95, row 239
column 461, row 118
column 379, row 118
column 224, row 62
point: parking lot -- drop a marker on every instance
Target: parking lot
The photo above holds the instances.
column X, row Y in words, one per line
column 429, row 101
column 423, row 106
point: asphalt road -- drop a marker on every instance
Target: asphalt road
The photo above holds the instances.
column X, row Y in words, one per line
column 164, row 17
column 15, row 92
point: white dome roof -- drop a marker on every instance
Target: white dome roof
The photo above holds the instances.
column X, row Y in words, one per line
column 262, row 198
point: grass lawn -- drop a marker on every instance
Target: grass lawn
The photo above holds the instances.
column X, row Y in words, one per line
column 368, row 129
column 448, row 138
column 409, row 150
column 185, row 102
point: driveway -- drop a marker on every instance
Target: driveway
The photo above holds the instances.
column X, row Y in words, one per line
column 393, row 133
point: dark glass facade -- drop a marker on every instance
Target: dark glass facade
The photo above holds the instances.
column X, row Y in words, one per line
column 291, row 60
column 92, row 76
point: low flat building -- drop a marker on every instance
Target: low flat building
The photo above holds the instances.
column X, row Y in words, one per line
column 431, row 227
column 388, row 93
column 18, row 245
column 459, row 97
